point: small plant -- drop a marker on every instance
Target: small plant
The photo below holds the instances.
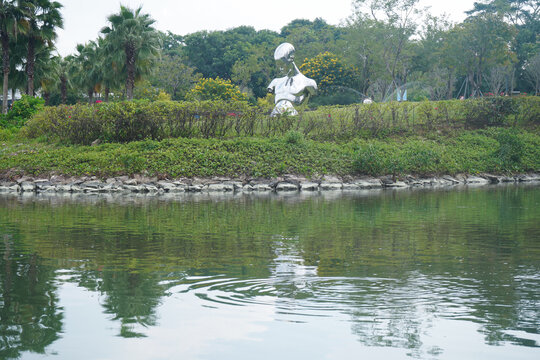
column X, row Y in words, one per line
column 294, row 137
column 510, row 149
column 370, row 160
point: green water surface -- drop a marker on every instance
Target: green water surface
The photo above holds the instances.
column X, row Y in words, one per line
column 447, row 274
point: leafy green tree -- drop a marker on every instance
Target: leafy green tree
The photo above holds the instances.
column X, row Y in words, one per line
column 524, row 17
column 483, row 42
column 216, row 89
column 329, row 71
column 393, row 23
column 174, row 76
column 42, row 18
column 131, row 38
column 532, row 71
column 10, row 25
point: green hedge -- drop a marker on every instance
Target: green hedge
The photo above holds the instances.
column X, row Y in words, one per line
column 138, row 120
column 492, row 150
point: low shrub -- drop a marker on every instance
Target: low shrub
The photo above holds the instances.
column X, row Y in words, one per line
column 144, row 119
column 22, row 110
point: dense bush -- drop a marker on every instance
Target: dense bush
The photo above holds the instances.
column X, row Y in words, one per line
column 216, row 89
column 138, row 120
column 21, row 111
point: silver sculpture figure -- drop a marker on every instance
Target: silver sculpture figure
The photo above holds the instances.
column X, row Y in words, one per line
column 294, row 87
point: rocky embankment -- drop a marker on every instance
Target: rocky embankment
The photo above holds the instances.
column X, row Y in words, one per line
column 287, row 183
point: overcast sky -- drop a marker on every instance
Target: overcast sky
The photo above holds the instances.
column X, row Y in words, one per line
column 83, row 19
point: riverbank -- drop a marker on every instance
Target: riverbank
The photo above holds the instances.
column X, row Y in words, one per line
column 497, row 150
column 217, row 185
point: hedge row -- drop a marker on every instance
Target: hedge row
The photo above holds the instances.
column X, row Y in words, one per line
column 138, row 120
column 493, row 150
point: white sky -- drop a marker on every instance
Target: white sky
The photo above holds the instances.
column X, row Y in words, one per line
column 83, row 19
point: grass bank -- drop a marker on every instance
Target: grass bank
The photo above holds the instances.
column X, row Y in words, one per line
column 490, row 150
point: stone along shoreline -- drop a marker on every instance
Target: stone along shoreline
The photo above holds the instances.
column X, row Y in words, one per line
column 217, row 185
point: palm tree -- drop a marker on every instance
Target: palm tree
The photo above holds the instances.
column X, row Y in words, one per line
column 87, row 73
column 42, row 18
column 10, row 15
column 109, row 69
column 65, row 66
column 131, row 38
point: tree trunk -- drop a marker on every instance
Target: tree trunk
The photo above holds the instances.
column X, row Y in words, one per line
column 90, row 96
column 5, row 67
column 107, row 91
column 130, row 64
column 30, row 61
column 46, row 97
column 63, row 89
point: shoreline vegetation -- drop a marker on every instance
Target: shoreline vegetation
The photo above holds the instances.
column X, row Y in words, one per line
column 394, row 143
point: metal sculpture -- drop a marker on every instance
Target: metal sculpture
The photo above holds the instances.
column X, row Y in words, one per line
column 294, row 87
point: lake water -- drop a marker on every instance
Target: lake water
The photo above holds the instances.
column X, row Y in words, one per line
column 447, row 274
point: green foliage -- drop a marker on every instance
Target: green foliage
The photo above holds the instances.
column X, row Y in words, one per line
column 216, row 89
column 294, row 137
column 328, row 71
column 495, row 150
column 511, row 149
column 142, row 119
column 21, row 111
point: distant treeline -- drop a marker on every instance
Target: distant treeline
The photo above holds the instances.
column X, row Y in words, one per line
column 385, row 47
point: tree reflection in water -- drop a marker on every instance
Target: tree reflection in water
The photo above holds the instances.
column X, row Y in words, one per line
column 30, row 318
column 394, row 263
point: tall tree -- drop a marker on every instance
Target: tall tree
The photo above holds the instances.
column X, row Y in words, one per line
column 131, row 37
column 10, row 16
column 86, row 69
column 395, row 23
column 42, row 19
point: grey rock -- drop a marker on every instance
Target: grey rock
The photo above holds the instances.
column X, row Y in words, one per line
column 150, row 188
column 195, row 188
column 262, row 187
column 331, row 185
column 24, row 179
column 27, row 186
column 451, row 179
column 286, row 186
column 493, row 179
column 507, row 179
column 93, row 184
column 396, row 185
column 368, row 184
column 237, row 185
column 177, row 189
column 76, row 188
column 350, row 186
column 528, row 178
column 248, row 188
column 15, row 187
column 42, row 185
column 63, row 188
column 131, row 188
column 219, row 187
column 476, row 180
column 309, row 186
column 331, row 179
column 131, row 182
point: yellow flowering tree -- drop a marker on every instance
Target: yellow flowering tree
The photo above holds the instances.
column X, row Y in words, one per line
column 328, row 70
column 216, row 89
